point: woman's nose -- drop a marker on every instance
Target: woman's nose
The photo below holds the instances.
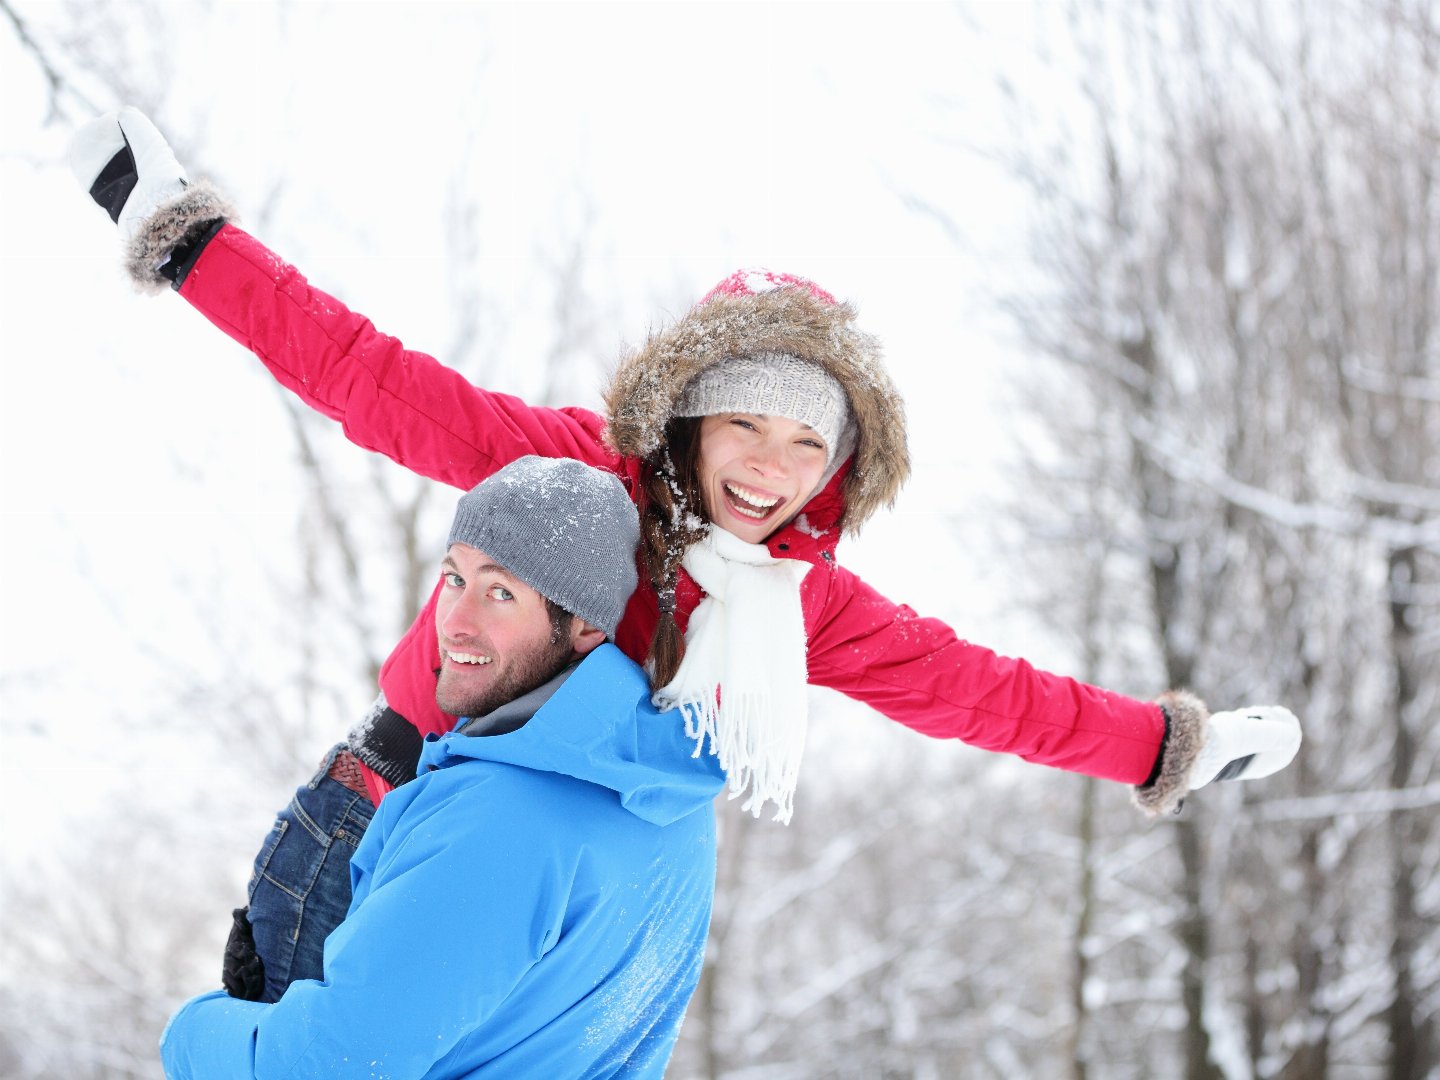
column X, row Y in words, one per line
column 767, row 458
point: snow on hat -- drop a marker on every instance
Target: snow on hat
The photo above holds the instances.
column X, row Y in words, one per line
column 567, row 530
column 758, row 280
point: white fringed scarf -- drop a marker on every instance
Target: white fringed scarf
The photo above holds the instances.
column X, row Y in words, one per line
column 745, row 645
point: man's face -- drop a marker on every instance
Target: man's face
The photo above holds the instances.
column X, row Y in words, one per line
column 496, row 638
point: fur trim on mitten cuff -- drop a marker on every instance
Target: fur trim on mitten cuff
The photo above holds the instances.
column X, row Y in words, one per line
column 1185, row 735
column 171, row 224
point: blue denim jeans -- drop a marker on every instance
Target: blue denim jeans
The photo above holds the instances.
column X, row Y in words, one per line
column 300, row 888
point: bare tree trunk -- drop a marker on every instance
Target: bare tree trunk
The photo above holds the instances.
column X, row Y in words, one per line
column 1084, row 921
column 1311, row 1059
column 1194, row 933
column 1314, row 939
column 1406, row 1037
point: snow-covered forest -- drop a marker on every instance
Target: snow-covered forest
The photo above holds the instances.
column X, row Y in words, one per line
column 1160, row 283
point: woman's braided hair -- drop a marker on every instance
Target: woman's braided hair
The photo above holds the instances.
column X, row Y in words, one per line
column 672, row 518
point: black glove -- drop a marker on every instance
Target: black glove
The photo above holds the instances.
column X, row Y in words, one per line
column 244, row 974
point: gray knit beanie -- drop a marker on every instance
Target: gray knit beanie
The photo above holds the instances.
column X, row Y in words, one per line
column 774, row 384
column 567, row 530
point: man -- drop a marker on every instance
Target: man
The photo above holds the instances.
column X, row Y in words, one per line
column 536, row 902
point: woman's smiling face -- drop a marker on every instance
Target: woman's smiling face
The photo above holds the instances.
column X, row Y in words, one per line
column 757, row 471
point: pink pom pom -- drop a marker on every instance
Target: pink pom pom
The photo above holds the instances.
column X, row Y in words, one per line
column 754, row 282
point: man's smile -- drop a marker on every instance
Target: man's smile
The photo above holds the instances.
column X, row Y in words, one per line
column 467, row 658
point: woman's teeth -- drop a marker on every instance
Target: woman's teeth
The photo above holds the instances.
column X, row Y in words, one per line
column 750, row 503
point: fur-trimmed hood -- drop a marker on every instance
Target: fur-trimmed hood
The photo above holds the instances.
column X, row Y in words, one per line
column 641, row 397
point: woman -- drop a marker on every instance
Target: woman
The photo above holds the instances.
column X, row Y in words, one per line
column 751, row 433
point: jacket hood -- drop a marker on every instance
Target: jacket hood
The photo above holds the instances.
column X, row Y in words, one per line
column 599, row 726
column 643, row 392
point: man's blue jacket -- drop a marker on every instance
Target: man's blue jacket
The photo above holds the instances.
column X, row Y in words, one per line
column 534, row 904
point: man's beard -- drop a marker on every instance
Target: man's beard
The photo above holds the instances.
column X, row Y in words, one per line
column 532, row 670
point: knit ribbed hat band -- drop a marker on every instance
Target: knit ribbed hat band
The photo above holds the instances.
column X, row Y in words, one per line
column 567, row 530
column 772, row 384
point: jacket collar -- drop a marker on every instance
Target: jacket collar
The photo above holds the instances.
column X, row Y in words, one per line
column 599, row 726
column 515, row 714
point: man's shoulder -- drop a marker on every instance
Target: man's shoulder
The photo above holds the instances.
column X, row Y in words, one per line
column 486, row 808
column 606, row 686
column 509, row 813
column 605, row 668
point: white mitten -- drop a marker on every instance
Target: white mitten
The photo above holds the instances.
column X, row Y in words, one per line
column 1246, row 744
column 127, row 166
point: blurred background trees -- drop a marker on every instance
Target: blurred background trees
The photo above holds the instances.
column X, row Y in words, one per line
column 1238, row 235
column 1222, row 409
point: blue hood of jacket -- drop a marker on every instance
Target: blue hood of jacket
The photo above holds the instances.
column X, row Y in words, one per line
column 645, row 758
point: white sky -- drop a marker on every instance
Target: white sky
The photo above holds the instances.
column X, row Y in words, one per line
column 145, row 489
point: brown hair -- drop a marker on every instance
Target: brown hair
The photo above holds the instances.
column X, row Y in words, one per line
column 560, row 620
column 672, row 517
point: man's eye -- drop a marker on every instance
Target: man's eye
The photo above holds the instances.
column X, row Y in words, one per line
column 454, row 580
column 499, row 592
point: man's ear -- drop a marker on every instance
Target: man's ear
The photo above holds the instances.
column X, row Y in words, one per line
column 584, row 637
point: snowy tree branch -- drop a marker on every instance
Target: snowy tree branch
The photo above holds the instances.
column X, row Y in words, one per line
column 1342, row 803
column 1383, row 382
column 56, row 83
column 1184, row 465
